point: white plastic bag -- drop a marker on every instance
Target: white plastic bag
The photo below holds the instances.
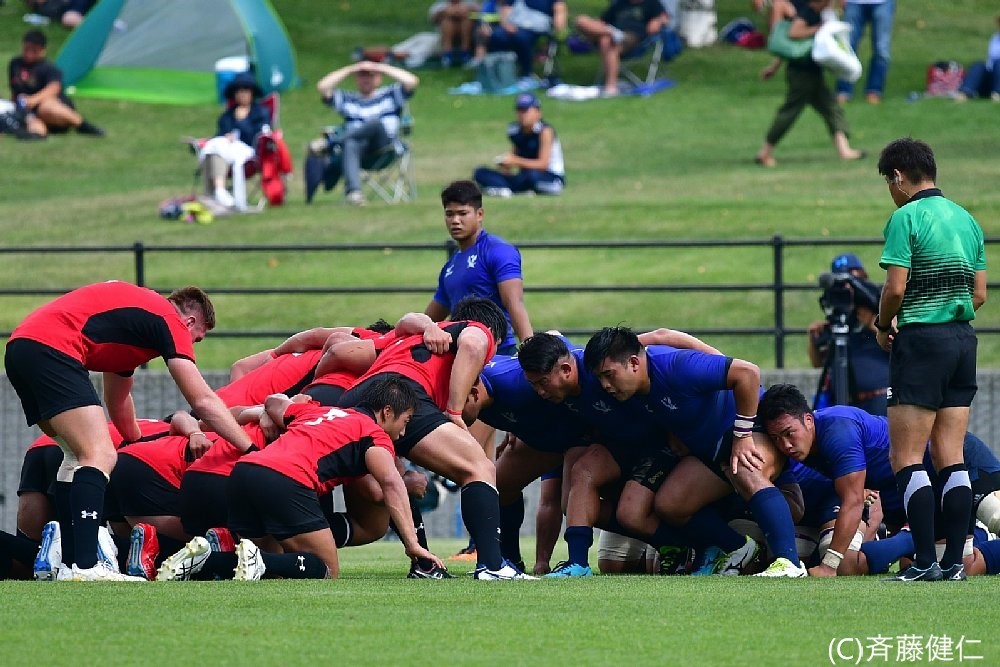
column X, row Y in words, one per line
column 832, row 49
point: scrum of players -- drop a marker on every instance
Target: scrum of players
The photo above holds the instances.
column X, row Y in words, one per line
column 667, row 445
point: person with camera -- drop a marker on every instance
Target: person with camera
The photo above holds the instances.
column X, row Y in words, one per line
column 858, row 370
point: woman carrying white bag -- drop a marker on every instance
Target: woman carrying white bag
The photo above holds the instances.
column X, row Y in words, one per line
column 806, row 84
column 832, row 50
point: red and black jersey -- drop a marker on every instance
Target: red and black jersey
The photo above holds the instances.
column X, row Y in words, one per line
column 323, row 447
column 344, row 379
column 110, row 327
column 149, row 428
column 288, row 374
column 222, row 455
column 410, row 358
column 166, row 455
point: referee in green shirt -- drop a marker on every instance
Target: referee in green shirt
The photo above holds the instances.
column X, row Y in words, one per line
column 935, row 265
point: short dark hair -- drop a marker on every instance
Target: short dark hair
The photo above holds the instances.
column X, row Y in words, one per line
column 380, row 326
column 782, row 399
column 912, row 157
column 484, row 311
column 540, row 353
column 388, row 389
column 36, row 37
column 462, row 192
column 614, row 343
column 187, row 299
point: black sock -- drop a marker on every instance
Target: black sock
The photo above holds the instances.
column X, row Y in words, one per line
column 123, row 544
column 218, row 565
column 295, row 565
column 511, row 518
column 418, row 524
column 956, row 508
column 64, row 515
column 340, row 526
column 918, row 499
column 19, row 548
column 86, row 503
column 481, row 514
column 168, row 547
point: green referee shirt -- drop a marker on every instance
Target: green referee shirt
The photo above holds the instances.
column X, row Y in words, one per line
column 942, row 246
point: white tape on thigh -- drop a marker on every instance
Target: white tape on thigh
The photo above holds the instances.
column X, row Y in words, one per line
column 70, row 464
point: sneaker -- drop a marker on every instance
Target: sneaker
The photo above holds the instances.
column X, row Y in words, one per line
column 503, row 193
column 88, row 128
column 143, row 549
column 249, row 564
column 64, row 573
column 782, row 567
column 189, row 560
column 708, row 562
column 466, row 553
column 734, row 563
column 107, row 550
column 954, row 573
column 671, row 557
column 221, row 539
column 566, row 569
column 914, row 573
column 355, row 198
column 222, row 196
column 507, row 572
column 101, row 572
column 435, row 572
column 49, row 557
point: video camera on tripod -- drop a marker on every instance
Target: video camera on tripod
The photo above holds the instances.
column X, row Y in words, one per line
column 842, row 294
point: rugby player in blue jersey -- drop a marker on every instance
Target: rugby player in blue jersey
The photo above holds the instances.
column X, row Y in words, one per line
column 708, row 402
column 851, row 447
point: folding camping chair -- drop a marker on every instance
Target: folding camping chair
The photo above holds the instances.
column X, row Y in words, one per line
column 269, row 147
column 641, row 65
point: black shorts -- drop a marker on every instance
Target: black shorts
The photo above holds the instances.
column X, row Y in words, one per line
column 203, row 502
column 325, row 394
column 933, row 366
column 38, row 472
column 647, row 464
column 47, row 381
column 141, row 491
column 427, row 417
column 263, row 502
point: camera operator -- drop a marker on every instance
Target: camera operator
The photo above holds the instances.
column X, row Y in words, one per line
column 851, row 305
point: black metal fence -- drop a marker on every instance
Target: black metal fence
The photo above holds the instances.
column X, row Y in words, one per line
column 776, row 286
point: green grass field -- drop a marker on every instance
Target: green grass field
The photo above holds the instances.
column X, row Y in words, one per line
column 373, row 616
column 677, row 165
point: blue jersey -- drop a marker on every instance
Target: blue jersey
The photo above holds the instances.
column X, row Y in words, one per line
column 478, row 271
column 615, row 423
column 518, row 409
column 848, row 440
column 688, row 397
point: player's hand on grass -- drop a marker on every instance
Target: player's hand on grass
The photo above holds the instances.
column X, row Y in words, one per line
column 419, row 552
column 822, row 571
column 745, row 454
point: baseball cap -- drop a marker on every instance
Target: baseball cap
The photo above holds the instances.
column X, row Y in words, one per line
column 526, row 101
column 846, row 262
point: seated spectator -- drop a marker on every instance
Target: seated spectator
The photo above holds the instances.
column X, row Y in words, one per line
column 982, row 78
column 68, row 12
column 454, row 19
column 36, row 87
column 372, row 116
column 235, row 138
column 621, row 28
column 522, row 22
column 537, row 156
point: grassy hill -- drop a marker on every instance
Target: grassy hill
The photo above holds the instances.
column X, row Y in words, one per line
column 677, row 165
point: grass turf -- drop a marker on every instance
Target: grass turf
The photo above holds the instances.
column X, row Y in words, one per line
column 372, row 615
column 677, row 165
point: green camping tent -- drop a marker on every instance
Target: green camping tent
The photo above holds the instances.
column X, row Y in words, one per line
column 153, row 51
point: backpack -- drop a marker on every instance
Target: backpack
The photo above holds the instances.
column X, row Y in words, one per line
column 497, row 72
